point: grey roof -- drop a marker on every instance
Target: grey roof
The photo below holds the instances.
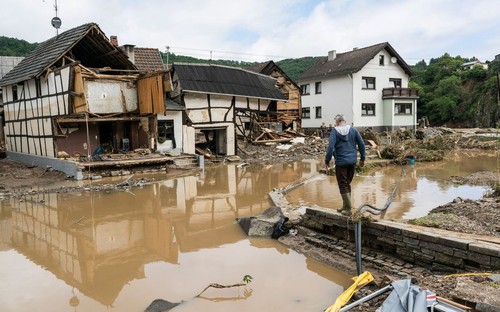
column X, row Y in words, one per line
column 350, row 62
column 173, row 106
column 268, row 67
column 217, row 79
column 87, row 44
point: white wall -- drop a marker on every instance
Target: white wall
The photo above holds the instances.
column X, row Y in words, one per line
column 335, row 98
column 29, row 118
column 109, row 96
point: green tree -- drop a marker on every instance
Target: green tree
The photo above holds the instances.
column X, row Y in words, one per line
column 444, row 100
column 15, row 47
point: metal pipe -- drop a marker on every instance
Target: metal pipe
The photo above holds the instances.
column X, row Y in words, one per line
column 357, row 238
column 366, row 298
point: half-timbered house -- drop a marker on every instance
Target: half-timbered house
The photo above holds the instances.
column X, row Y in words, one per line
column 219, row 103
column 77, row 94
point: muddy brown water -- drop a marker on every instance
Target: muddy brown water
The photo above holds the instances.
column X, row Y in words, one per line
column 119, row 250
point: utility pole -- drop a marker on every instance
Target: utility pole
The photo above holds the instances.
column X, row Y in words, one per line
column 497, row 121
column 168, row 52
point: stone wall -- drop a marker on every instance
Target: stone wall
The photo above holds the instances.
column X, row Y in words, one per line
column 435, row 249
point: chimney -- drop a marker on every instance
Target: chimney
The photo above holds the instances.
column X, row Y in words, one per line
column 114, row 40
column 332, row 55
column 129, row 50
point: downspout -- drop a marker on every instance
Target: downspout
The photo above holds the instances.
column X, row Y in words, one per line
column 352, row 97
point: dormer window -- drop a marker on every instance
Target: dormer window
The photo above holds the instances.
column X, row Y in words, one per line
column 381, row 60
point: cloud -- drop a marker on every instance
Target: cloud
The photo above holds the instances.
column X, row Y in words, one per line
column 265, row 29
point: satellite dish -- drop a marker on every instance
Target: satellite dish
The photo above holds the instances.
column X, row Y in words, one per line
column 56, row 22
column 394, row 60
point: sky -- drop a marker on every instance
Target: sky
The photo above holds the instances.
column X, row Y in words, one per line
column 262, row 30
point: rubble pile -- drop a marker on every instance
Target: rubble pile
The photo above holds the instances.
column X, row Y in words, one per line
column 273, row 152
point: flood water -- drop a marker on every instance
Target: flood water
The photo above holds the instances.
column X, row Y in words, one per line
column 119, row 250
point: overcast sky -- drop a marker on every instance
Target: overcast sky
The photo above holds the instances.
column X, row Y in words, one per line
column 260, row 30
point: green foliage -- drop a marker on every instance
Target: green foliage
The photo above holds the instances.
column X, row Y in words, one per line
column 247, row 279
column 452, row 96
column 494, row 67
column 296, row 67
column 174, row 58
column 15, row 47
column 477, row 73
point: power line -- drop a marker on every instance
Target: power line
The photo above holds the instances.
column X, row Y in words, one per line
column 230, row 52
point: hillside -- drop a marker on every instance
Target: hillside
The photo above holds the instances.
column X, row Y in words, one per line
column 15, row 47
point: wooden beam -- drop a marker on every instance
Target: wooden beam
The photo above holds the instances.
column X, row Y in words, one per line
column 93, row 119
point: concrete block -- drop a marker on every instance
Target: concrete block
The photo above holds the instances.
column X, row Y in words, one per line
column 448, row 260
column 479, row 258
column 485, row 248
column 411, row 241
column 429, row 236
column 436, row 247
column 454, row 242
column 409, row 233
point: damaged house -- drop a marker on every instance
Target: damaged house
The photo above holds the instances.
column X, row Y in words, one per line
column 76, row 95
column 222, row 103
column 289, row 110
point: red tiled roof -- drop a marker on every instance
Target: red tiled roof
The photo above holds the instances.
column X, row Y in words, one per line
column 148, row 59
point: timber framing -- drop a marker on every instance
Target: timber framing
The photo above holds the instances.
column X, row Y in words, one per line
column 77, row 93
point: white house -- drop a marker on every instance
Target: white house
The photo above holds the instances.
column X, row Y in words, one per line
column 472, row 64
column 368, row 85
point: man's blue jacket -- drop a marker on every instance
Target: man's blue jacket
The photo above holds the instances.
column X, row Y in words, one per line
column 342, row 146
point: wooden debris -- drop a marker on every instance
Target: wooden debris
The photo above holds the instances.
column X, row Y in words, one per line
column 270, row 136
column 203, row 152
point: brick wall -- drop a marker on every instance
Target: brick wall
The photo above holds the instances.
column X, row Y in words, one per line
column 431, row 248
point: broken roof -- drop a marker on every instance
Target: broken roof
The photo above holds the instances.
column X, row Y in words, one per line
column 86, row 43
column 268, row 67
column 351, row 62
column 148, row 59
column 218, row 79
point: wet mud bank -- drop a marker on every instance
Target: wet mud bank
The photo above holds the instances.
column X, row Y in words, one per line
column 452, row 264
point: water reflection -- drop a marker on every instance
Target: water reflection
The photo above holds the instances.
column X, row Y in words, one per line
column 119, row 250
column 122, row 249
column 419, row 187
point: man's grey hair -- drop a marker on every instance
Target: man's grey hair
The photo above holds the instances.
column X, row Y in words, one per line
column 340, row 117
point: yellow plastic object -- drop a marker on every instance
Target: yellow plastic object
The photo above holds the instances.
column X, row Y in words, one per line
column 361, row 280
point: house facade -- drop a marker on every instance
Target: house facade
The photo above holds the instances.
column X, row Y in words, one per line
column 219, row 102
column 75, row 94
column 368, row 85
column 7, row 63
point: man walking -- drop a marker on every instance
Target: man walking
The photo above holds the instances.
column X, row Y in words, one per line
column 342, row 146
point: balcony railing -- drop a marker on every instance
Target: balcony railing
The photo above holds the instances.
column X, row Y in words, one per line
column 399, row 92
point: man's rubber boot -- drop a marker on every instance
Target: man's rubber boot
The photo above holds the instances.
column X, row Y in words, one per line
column 346, row 209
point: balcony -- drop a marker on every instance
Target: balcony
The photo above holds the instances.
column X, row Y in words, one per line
column 389, row 93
